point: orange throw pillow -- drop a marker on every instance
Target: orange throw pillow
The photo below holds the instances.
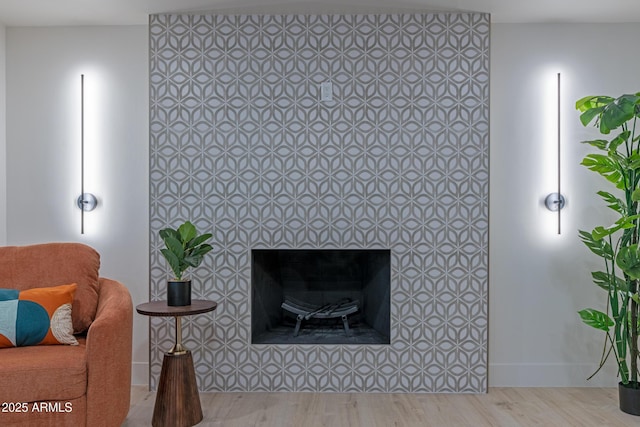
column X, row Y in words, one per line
column 37, row 316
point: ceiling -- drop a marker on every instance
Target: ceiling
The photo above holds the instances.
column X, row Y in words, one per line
column 129, row 12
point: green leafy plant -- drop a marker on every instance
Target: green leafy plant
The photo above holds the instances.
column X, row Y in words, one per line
column 184, row 248
column 618, row 161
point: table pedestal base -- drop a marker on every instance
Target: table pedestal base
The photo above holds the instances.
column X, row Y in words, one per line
column 177, row 399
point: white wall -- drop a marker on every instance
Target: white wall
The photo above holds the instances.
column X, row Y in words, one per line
column 3, row 134
column 43, row 149
column 539, row 280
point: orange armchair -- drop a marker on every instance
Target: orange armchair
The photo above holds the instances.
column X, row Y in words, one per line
column 62, row 385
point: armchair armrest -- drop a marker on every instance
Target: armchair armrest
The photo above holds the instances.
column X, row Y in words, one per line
column 109, row 354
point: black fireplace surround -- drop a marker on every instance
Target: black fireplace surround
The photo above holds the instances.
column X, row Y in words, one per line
column 328, row 280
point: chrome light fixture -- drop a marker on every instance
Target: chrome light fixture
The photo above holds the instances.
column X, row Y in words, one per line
column 556, row 201
column 86, row 202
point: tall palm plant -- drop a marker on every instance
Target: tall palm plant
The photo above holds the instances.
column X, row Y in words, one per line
column 618, row 161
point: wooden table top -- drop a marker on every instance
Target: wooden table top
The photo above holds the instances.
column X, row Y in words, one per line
column 160, row 308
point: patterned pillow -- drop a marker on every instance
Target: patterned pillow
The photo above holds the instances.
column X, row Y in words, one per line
column 36, row 316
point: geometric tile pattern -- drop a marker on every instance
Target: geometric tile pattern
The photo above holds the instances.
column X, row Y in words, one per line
column 241, row 143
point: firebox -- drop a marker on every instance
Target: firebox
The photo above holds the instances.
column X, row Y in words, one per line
column 320, row 296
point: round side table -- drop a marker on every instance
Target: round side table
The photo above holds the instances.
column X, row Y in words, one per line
column 177, row 400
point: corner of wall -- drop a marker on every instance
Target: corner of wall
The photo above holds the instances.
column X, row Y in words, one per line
column 3, row 137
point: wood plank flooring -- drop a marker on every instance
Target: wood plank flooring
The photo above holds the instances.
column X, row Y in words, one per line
column 508, row 407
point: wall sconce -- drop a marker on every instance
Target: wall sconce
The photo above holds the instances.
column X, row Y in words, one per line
column 86, row 202
column 556, row 201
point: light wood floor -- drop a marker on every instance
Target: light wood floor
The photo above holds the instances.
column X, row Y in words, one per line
column 511, row 407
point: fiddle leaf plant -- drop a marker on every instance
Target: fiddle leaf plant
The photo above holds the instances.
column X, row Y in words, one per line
column 184, row 247
column 617, row 160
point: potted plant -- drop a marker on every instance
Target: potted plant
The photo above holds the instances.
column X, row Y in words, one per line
column 184, row 249
column 617, row 160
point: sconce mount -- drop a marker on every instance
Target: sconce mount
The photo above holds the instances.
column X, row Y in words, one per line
column 555, row 202
column 87, row 202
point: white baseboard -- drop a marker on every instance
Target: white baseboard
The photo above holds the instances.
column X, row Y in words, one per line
column 500, row 375
column 550, row 375
column 140, row 373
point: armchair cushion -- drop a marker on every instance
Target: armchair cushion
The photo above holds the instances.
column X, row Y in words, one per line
column 36, row 316
column 53, row 264
column 43, row 373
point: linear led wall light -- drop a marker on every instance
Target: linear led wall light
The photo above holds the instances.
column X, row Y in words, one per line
column 86, row 202
column 556, row 201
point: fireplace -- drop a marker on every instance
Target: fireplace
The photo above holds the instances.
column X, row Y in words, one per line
column 320, row 296
column 242, row 143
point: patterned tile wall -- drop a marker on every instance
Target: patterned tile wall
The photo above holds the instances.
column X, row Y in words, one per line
column 242, row 144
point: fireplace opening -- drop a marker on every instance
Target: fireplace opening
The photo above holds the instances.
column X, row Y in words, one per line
column 320, row 296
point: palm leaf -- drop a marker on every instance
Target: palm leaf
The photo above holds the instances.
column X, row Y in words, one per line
column 589, row 115
column 605, row 166
column 628, row 260
column 606, row 281
column 596, row 319
column 618, row 141
column 616, row 113
column 599, row 247
column 601, row 144
column 613, row 202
